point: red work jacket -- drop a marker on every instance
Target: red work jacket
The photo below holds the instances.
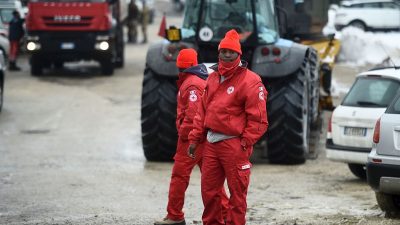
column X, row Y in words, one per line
column 236, row 107
column 191, row 88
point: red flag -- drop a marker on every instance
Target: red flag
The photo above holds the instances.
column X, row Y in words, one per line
column 163, row 26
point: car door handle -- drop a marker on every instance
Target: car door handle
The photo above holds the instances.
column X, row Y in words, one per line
column 397, row 128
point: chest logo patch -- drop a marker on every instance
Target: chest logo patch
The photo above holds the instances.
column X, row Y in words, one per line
column 230, row 90
column 193, row 96
column 261, row 96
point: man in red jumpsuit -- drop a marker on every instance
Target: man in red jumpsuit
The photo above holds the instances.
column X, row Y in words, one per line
column 191, row 84
column 230, row 120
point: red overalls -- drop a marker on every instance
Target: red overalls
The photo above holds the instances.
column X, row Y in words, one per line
column 191, row 88
column 235, row 107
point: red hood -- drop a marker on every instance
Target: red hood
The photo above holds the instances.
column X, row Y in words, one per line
column 68, row 16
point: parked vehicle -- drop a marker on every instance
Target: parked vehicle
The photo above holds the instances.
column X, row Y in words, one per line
column 351, row 126
column 4, row 42
column 65, row 30
column 383, row 167
column 369, row 14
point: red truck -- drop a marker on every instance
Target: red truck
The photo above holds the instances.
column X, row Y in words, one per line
column 61, row 31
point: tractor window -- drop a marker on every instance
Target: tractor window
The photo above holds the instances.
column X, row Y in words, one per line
column 266, row 22
column 220, row 16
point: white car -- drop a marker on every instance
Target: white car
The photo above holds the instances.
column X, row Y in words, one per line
column 383, row 167
column 351, row 127
column 368, row 14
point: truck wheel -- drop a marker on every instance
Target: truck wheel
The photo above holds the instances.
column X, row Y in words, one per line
column 288, row 114
column 358, row 170
column 107, row 67
column 159, row 135
column 58, row 64
column 120, row 57
column 389, row 204
column 36, row 66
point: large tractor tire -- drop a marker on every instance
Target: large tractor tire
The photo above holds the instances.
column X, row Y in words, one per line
column 314, row 86
column 288, row 115
column 315, row 117
column 159, row 135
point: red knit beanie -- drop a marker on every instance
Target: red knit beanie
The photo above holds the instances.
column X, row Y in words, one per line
column 186, row 58
column 231, row 41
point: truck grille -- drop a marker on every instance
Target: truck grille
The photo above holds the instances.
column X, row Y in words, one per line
column 67, row 21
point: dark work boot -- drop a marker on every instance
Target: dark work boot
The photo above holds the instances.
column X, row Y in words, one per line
column 13, row 66
column 170, row 222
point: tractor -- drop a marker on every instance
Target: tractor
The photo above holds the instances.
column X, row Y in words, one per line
column 289, row 70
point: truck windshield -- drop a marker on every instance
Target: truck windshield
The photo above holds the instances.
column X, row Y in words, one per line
column 219, row 16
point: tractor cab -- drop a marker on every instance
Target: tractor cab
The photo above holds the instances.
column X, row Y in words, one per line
column 206, row 22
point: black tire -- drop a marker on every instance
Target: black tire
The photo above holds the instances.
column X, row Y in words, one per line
column 288, row 116
column 358, row 170
column 390, row 204
column 107, row 67
column 159, row 134
column 359, row 24
column 120, row 57
column 314, row 86
column 36, row 66
column 315, row 116
column 1, row 89
column 58, row 64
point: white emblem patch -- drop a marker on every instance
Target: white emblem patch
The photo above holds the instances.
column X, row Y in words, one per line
column 261, row 96
column 193, row 96
column 230, row 90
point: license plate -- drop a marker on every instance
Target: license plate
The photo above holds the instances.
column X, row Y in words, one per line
column 67, row 45
column 355, row 131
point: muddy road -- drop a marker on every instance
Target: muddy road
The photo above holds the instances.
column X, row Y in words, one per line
column 70, row 153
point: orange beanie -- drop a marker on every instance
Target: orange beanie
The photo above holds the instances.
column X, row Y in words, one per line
column 186, row 58
column 231, row 41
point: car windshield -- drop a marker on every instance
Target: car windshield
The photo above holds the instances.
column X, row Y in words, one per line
column 371, row 92
column 219, row 16
column 6, row 15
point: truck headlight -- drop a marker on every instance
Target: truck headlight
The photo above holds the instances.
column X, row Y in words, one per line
column 103, row 45
column 32, row 46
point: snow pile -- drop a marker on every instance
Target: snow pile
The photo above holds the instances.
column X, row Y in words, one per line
column 361, row 48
